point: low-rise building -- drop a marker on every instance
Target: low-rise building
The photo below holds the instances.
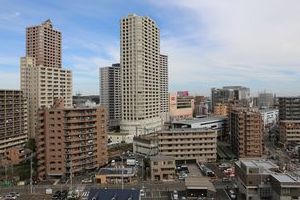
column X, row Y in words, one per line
column 162, row 168
column 120, row 194
column 145, row 145
column 70, row 140
column 115, row 175
column 218, row 123
column 199, row 187
column 261, row 179
column 289, row 131
column 198, row 145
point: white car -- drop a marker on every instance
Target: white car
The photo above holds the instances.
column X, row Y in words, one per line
column 142, row 193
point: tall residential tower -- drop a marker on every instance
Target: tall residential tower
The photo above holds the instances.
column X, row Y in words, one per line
column 164, row 87
column 42, row 78
column 140, row 79
column 110, row 96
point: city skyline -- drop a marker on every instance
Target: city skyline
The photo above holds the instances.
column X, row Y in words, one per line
column 217, row 43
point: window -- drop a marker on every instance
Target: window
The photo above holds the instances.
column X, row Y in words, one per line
column 155, row 163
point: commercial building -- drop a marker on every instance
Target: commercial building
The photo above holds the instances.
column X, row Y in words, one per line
column 145, row 145
column 200, row 187
column 229, row 94
column 42, row 78
column 44, row 44
column 218, row 123
column 262, row 179
column 246, row 132
column 115, row 175
column 181, row 106
column 289, row 120
column 13, row 126
column 70, row 140
column 164, row 87
column 110, row 94
column 140, row 75
column 198, row 145
column 162, row 168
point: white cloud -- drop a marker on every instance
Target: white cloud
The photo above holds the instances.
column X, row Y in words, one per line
column 237, row 41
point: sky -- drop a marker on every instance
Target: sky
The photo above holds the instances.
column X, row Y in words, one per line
column 251, row 43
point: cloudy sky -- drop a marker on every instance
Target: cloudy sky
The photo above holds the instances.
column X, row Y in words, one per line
column 252, row 43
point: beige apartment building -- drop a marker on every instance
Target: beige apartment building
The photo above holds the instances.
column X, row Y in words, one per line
column 189, row 144
column 246, row 128
column 140, row 79
column 181, row 106
column 13, row 126
column 42, row 77
column 70, row 140
column 162, row 168
column 164, row 87
column 221, row 109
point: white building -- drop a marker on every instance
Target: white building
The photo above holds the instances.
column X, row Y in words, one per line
column 269, row 116
column 140, row 79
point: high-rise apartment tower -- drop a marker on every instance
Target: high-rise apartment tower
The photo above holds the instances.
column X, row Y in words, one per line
column 140, row 79
column 110, row 93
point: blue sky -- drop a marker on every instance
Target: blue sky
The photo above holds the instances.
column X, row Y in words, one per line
column 209, row 43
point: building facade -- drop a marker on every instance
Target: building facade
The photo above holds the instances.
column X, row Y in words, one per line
column 270, row 117
column 145, row 145
column 70, row 140
column 262, row 179
column 42, row 76
column 164, row 87
column 181, row 106
column 246, row 130
column 43, row 43
column 13, row 126
column 222, row 109
column 110, row 94
column 289, row 120
column 162, row 168
column 265, row 100
column 140, row 79
column 198, row 145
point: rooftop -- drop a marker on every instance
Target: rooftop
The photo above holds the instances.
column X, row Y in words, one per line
column 286, row 178
column 199, row 183
column 265, row 164
column 116, row 171
column 161, row 158
column 200, row 120
column 107, row 194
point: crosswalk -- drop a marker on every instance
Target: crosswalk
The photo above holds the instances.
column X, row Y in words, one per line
column 84, row 195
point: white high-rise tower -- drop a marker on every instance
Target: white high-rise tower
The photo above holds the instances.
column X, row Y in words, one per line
column 140, row 75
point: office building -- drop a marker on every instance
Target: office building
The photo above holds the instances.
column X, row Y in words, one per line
column 201, row 106
column 162, row 168
column 13, row 126
column 110, row 94
column 199, row 145
column 43, row 43
column 262, row 179
column 140, row 75
column 164, row 87
column 269, row 117
column 181, row 106
column 265, row 100
column 246, row 130
column 230, row 94
column 289, row 120
column 42, row 77
column 70, row 140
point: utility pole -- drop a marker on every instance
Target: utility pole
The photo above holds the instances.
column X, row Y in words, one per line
column 122, row 172
column 31, row 173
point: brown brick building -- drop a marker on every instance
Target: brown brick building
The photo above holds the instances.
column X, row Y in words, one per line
column 70, row 140
column 13, row 126
column 44, row 44
column 246, row 132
